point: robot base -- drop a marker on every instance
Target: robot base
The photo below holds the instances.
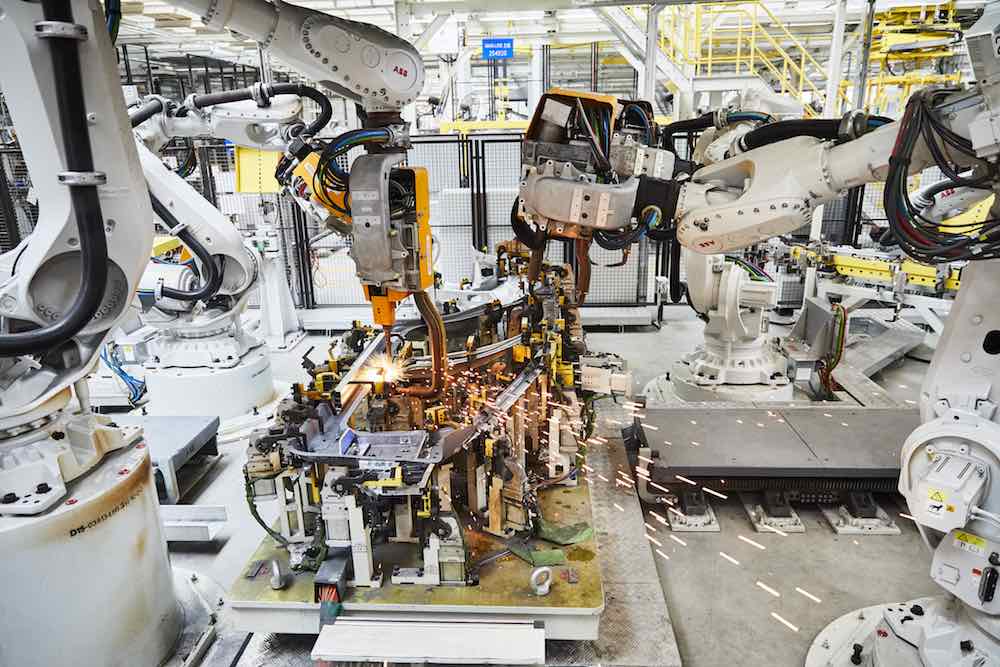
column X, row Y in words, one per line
column 947, row 634
column 92, row 572
column 681, row 388
column 243, row 396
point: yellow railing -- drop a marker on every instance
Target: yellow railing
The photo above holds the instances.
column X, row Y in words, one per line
column 737, row 38
column 887, row 94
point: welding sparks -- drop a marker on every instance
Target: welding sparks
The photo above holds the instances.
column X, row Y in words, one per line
column 659, row 488
column 788, row 625
column 907, row 516
column 678, row 540
column 648, row 526
column 763, row 586
column 802, row 591
column 643, row 458
column 714, row 493
column 384, row 368
column 685, row 479
column 665, row 556
column 774, row 530
column 729, row 558
column 752, row 543
column 618, row 507
column 654, row 540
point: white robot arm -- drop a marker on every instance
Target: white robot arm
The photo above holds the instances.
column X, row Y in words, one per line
column 73, row 277
column 357, row 60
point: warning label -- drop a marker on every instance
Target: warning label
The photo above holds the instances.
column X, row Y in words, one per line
column 937, row 495
column 969, row 542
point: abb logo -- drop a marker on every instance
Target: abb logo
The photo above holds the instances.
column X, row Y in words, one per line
column 401, row 71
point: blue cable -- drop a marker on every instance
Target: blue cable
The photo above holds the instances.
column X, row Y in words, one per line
column 645, row 121
column 135, row 386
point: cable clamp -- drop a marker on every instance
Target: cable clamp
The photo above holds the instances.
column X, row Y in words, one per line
column 60, row 29
column 79, row 179
column 175, row 231
column 260, row 94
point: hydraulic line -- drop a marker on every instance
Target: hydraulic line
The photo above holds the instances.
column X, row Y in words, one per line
column 145, row 111
column 211, row 274
column 270, row 90
column 438, row 348
column 533, row 238
column 821, row 128
column 85, row 200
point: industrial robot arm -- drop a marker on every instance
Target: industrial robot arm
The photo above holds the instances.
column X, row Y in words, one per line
column 68, row 283
column 363, row 63
column 382, row 204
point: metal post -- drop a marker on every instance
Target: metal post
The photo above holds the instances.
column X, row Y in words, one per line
column 866, row 49
column 208, row 84
column 652, row 50
column 546, row 67
column 594, row 56
column 536, row 85
column 149, row 72
column 493, row 89
column 128, row 66
column 834, row 68
column 265, row 65
column 190, row 72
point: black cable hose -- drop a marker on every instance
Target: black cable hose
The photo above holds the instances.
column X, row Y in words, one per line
column 534, row 239
column 702, row 122
column 821, row 128
column 145, row 111
column 302, row 90
column 212, row 276
column 85, row 200
column 271, row 89
column 674, row 272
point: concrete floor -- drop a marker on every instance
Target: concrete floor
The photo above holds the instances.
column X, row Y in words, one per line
column 721, row 616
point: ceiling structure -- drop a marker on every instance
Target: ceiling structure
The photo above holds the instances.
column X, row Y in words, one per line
column 172, row 32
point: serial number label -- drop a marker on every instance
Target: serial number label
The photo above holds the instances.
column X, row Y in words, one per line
column 98, row 520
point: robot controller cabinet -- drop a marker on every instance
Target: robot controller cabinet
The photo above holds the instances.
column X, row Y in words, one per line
column 389, row 494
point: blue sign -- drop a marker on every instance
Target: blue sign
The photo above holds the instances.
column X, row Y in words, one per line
column 498, row 48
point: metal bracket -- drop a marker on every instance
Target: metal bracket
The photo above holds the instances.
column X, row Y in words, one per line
column 76, row 179
column 61, row 30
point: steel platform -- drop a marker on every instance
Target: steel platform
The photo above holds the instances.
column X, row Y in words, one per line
column 750, row 449
column 625, row 616
column 570, row 611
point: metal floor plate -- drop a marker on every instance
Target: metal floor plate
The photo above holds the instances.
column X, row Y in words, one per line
column 793, row 442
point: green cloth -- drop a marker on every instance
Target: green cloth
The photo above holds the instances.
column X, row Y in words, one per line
column 564, row 535
column 538, row 557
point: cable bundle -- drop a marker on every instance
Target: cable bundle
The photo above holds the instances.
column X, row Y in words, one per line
column 648, row 219
column 329, row 176
column 926, row 240
column 839, row 342
column 757, row 274
column 136, row 387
